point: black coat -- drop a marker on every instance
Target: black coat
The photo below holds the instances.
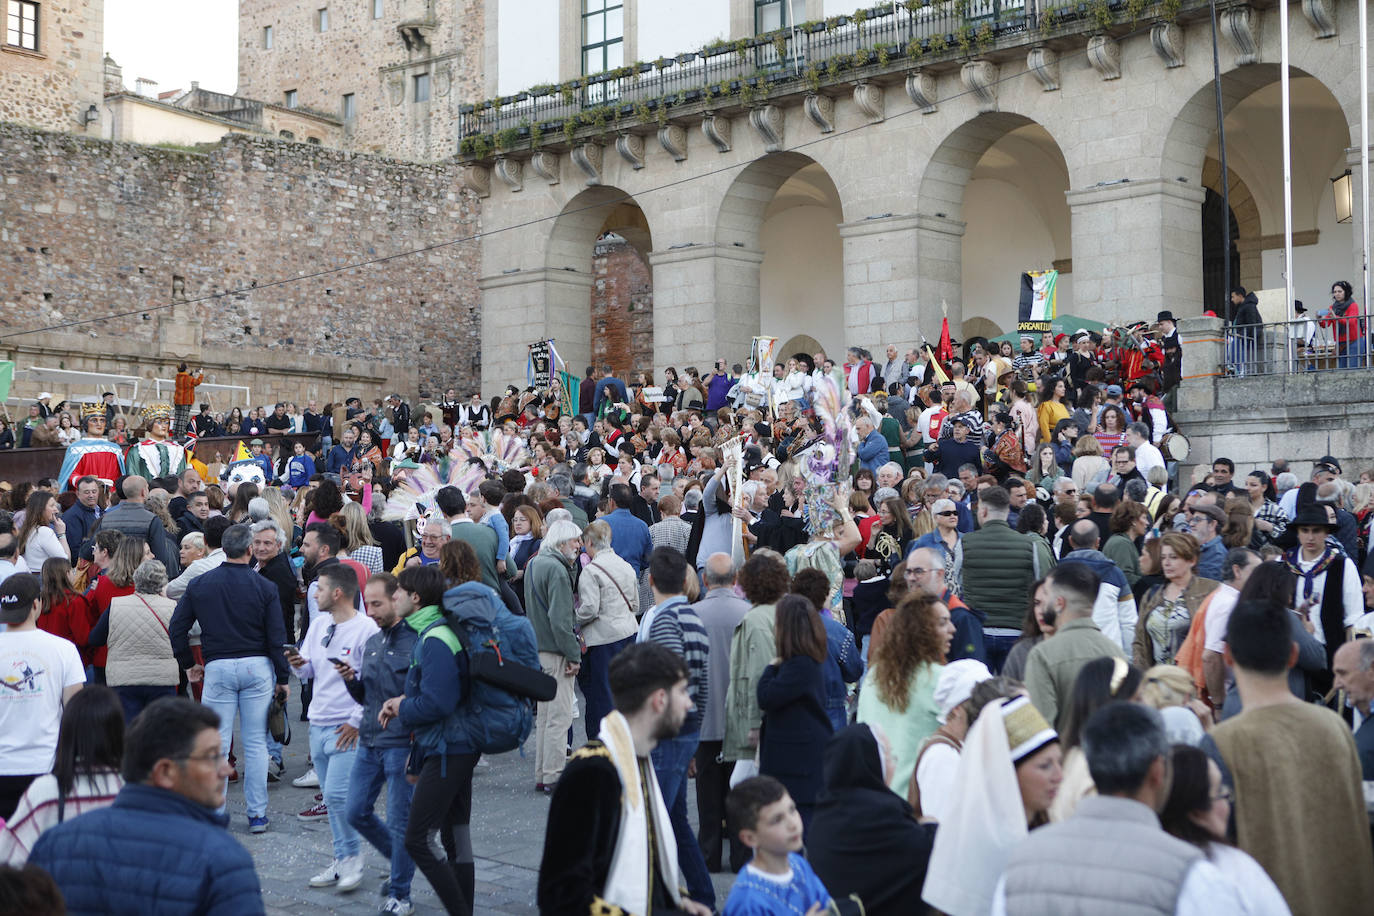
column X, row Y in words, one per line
column 795, row 727
column 864, row 839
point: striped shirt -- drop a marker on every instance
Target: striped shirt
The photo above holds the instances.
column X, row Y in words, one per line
column 675, row 625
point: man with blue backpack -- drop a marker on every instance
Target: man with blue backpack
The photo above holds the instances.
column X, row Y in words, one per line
column 473, row 672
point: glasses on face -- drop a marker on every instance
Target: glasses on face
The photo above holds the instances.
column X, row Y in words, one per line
column 946, row 514
column 916, row 571
column 213, row 758
column 1223, row 794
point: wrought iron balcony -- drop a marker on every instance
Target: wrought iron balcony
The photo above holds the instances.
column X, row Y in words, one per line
column 868, row 44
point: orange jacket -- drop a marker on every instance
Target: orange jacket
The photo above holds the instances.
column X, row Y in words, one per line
column 185, row 393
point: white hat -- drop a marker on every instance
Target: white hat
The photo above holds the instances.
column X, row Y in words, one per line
column 956, row 684
column 45, row 395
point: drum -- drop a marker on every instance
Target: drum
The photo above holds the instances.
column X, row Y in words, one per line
column 1174, row 447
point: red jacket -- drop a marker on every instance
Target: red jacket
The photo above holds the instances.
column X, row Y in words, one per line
column 1346, row 325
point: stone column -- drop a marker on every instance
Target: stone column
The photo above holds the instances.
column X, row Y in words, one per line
column 706, row 303
column 1352, row 162
column 522, row 307
column 1137, row 249
column 940, row 250
column 1204, row 358
column 881, row 282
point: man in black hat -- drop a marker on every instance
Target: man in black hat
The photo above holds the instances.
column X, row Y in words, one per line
column 1329, row 597
column 1168, row 329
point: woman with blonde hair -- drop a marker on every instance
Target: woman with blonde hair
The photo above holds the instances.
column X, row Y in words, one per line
column 1170, row 689
column 898, row 692
column 157, row 504
column 1089, row 466
column 358, row 541
column 280, row 510
column 115, row 582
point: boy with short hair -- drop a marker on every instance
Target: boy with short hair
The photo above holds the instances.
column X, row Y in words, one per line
column 777, row 880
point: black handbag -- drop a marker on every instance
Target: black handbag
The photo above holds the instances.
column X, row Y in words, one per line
column 278, row 722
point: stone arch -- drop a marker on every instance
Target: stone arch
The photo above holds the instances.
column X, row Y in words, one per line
column 798, row 343
column 943, row 204
column 781, row 257
column 573, row 266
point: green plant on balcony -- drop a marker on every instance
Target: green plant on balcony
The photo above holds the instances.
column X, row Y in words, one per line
column 746, row 93
column 884, row 53
column 812, row 78
column 780, row 44
column 570, row 131
column 911, row 6
column 1051, row 17
column 643, row 114
column 1101, row 12
column 506, row 138
column 964, row 38
column 536, row 135
column 481, row 146
column 742, row 49
column 938, row 43
column 859, row 58
column 832, row 69
column 915, row 49
column 984, row 36
column 833, row 23
column 566, row 92
column 542, row 90
column 635, row 69
column 859, row 17
column 661, row 114
column 715, row 47
column 1170, row 9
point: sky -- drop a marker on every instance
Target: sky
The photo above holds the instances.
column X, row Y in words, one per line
column 175, row 42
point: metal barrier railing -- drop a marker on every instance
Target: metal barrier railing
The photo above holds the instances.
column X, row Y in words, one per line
column 1306, row 345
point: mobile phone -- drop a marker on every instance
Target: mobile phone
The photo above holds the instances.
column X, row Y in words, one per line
column 336, row 661
column 290, row 649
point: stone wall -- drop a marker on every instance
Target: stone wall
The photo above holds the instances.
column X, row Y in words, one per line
column 90, row 228
column 53, row 87
column 376, row 60
column 622, row 309
column 1253, row 420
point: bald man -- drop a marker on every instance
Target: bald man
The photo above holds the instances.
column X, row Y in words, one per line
column 720, row 610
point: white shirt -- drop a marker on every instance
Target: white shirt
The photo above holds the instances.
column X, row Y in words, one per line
column 1147, row 457
column 1206, row 891
column 35, row 667
column 1352, row 596
column 1218, row 615
column 935, row 774
column 923, row 423
column 8, row 569
column 177, row 587
column 1259, row 895
column 43, row 544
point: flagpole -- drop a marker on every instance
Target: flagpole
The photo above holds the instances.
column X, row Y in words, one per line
column 1364, row 148
column 1287, row 159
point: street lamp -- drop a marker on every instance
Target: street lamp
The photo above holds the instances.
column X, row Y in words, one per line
column 1343, row 191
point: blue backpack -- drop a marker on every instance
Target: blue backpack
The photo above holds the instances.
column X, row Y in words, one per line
column 504, row 678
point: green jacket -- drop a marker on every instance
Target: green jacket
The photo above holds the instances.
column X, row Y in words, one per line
column 1054, row 663
column 1122, row 552
column 482, row 539
column 1000, row 565
column 751, row 649
column 549, row 603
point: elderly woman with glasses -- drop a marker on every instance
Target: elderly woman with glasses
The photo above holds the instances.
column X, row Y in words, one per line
column 947, row 541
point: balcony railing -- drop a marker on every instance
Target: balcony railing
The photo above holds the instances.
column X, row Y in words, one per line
column 804, row 58
column 1285, row 347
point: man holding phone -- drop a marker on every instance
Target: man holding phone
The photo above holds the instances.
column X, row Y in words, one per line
column 335, row 639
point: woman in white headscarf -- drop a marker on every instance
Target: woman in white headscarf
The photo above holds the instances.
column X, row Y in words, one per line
column 1009, row 771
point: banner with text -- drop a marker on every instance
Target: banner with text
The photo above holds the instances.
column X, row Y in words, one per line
column 1037, row 305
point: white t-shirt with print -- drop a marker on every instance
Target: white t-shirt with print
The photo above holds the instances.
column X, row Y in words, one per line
column 35, row 667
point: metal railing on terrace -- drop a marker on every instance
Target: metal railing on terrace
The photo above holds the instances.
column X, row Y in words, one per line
column 803, row 58
column 1306, row 345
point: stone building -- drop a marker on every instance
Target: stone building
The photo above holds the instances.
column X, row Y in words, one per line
column 394, row 71
column 803, row 170
column 50, row 65
column 211, row 237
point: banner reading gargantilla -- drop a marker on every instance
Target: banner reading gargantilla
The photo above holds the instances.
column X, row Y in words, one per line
column 761, row 354
column 1037, row 305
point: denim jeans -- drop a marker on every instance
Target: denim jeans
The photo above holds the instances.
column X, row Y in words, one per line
column 594, row 679
column 334, row 768
column 133, row 697
column 1350, row 354
column 372, row 767
column 998, row 648
column 243, row 686
column 671, row 758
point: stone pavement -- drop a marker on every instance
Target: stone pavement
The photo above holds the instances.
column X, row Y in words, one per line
column 508, row 820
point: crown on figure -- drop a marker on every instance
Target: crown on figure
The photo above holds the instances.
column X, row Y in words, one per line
column 89, row 410
column 157, row 412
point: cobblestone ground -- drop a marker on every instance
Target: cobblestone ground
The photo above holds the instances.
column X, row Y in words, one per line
column 508, row 820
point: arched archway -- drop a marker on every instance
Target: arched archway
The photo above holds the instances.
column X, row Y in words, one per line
column 994, row 189
column 1323, row 249
column 599, row 294
column 785, row 211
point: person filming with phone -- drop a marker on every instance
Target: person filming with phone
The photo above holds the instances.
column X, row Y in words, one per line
column 335, row 639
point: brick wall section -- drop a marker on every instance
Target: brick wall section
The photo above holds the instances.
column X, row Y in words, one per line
column 52, row 88
column 92, row 228
column 622, row 309
column 369, row 58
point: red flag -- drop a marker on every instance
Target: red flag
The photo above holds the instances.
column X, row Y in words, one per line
column 945, row 351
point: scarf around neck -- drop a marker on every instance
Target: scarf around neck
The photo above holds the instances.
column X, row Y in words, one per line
column 629, row 881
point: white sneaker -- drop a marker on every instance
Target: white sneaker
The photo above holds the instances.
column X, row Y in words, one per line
column 350, row 873
column 397, row 907
column 308, row 781
column 328, row 877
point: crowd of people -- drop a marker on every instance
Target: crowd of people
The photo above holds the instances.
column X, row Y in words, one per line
column 941, row 631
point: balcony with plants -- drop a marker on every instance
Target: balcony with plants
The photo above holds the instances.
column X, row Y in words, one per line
column 882, row 45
